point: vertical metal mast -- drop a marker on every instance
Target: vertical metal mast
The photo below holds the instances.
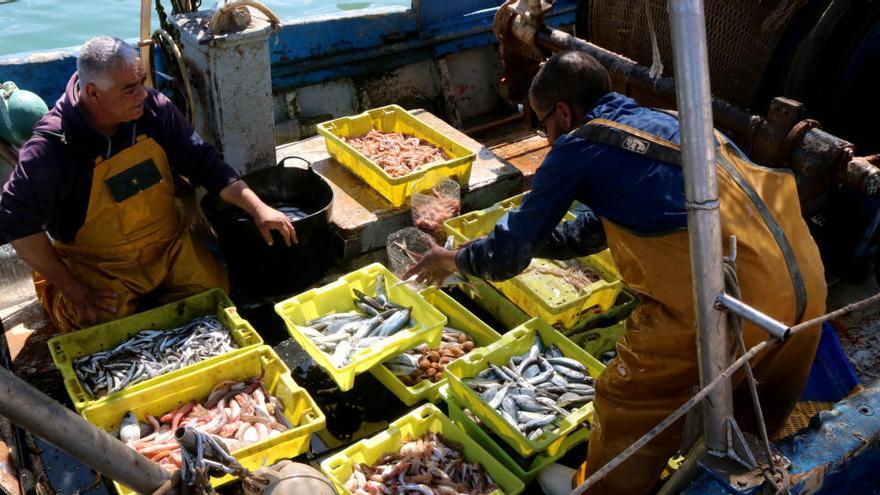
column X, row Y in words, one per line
column 690, row 56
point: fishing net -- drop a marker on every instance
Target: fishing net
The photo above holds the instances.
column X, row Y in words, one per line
column 434, row 200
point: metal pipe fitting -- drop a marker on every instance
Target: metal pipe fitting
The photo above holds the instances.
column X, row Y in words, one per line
column 776, row 329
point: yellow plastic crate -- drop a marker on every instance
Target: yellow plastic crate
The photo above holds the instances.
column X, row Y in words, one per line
column 299, row 407
column 514, row 343
column 66, row 348
column 393, row 118
column 534, row 465
column 540, row 295
column 415, row 424
column 338, row 297
column 459, row 318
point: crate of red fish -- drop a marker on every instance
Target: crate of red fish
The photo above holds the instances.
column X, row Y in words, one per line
column 422, row 452
column 390, row 149
column 248, row 401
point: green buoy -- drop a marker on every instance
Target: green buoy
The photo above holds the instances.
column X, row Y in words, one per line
column 19, row 111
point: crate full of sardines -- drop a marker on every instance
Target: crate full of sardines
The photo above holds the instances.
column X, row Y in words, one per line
column 389, row 148
column 356, row 322
column 248, row 402
column 422, row 452
column 419, row 373
column 132, row 353
column 532, row 388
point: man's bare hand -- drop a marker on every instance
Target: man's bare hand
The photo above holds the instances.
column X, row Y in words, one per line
column 269, row 219
column 86, row 302
column 435, row 267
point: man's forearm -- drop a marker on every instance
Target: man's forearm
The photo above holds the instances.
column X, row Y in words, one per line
column 40, row 255
column 239, row 194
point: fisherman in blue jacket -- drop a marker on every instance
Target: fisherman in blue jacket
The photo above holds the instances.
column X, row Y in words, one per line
column 623, row 161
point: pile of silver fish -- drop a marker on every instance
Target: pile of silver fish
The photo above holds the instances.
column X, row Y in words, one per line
column 237, row 413
column 151, row 353
column 341, row 335
column 430, row 465
column 429, row 363
column 535, row 389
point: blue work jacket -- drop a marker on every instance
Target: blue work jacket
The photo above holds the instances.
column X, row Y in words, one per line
column 635, row 192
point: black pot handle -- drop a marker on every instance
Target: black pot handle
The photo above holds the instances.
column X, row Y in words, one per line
column 308, row 163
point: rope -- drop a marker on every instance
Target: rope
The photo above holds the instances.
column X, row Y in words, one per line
column 780, row 16
column 656, row 69
column 705, row 391
column 731, row 285
column 169, row 485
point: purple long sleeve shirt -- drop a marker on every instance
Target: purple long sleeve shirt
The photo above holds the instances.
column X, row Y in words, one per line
column 50, row 187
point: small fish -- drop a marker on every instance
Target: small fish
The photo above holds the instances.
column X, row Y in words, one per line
column 129, row 428
column 150, row 353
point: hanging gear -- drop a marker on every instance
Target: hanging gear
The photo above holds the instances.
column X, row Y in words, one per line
column 133, row 241
column 656, row 367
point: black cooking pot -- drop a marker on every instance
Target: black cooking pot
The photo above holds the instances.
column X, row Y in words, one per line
column 260, row 269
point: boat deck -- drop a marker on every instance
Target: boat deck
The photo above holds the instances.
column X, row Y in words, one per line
column 508, row 156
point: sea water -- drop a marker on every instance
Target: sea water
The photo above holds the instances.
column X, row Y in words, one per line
column 27, row 25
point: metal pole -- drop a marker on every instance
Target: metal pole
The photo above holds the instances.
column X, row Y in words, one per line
column 691, row 59
column 39, row 414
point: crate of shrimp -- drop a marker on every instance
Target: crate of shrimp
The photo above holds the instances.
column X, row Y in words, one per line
column 407, row 456
column 118, row 357
column 389, row 149
column 533, row 388
column 358, row 321
column 248, row 402
column 563, row 293
column 418, row 374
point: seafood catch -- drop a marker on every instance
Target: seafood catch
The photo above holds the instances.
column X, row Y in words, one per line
column 238, row 414
column 430, row 465
column 579, row 277
column 535, row 389
column 429, row 215
column 397, row 153
column 151, row 353
column 426, row 363
column 342, row 335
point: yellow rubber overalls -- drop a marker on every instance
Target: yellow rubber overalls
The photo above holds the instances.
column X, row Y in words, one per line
column 656, row 368
column 133, row 241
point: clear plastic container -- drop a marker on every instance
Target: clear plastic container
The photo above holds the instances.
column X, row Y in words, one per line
column 435, row 199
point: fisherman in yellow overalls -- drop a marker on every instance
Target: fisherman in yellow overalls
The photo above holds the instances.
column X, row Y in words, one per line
column 623, row 161
column 100, row 176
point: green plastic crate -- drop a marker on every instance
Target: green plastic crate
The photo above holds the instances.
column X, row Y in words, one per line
column 66, row 348
column 514, row 343
column 459, row 318
column 426, row 418
column 598, row 341
column 540, row 295
column 339, row 297
column 535, row 464
column 156, row 400
column 393, row 118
